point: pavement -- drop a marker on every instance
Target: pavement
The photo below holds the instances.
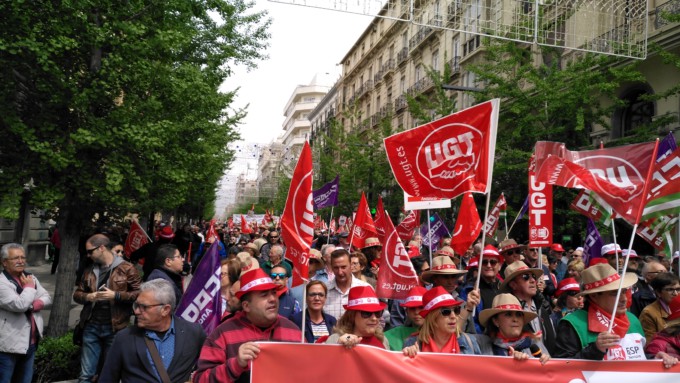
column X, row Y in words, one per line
column 49, row 281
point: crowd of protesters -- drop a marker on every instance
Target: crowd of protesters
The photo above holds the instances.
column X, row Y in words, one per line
column 524, row 306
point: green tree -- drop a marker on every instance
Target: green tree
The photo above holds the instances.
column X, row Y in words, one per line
column 114, row 107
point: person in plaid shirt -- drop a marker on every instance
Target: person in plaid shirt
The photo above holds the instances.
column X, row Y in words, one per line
column 227, row 352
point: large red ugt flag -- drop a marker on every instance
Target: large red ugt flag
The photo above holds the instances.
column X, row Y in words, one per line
column 447, row 157
column 297, row 221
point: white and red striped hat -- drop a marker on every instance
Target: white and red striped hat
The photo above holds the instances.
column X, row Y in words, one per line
column 254, row 280
column 435, row 298
column 363, row 298
column 567, row 284
column 415, row 297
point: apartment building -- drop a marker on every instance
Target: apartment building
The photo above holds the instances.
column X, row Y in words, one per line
column 268, row 170
column 246, row 190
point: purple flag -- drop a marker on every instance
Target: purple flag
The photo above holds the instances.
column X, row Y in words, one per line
column 666, row 147
column 437, row 229
column 202, row 302
column 523, row 210
column 594, row 243
column 327, row 195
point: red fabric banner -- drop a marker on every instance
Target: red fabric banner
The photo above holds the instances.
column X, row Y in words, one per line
column 468, row 225
column 491, row 224
column 379, row 220
column 617, row 174
column 212, row 233
column 245, row 227
column 447, row 157
column 396, row 274
column 540, row 210
column 297, row 221
column 299, row 362
column 406, row 227
column 363, row 227
column 135, row 239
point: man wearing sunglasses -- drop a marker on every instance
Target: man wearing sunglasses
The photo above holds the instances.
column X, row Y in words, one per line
column 288, row 305
column 511, row 252
column 107, row 290
column 522, row 282
column 274, row 239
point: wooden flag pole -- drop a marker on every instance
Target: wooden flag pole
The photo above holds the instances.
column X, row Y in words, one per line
column 304, row 310
column 329, row 226
column 481, row 255
column 429, row 236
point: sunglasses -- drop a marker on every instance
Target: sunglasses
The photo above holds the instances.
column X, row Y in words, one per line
column 277, row 275
column 526, row 277
column 368, row 314
column 491, row 262
column 90, row 251
column 515, row 251
column 571, row 293
column 446, row 311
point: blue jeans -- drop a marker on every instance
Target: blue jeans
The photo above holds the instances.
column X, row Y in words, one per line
column 97, row 339
column 17, row 368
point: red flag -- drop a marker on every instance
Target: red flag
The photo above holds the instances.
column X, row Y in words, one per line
column 212, row 233
column 323, row 225
column 447, row 157
column 468, row 225
column 491, row 224
column 406, row 227
column 540, row 210
column 245, row 227
column 230, row 222
column 135, row 239
column 363, row 227
column 617, row 174
column 396, row 275
column 663, row 198
column 334, row 226
column 297, row 221
column 380, row 217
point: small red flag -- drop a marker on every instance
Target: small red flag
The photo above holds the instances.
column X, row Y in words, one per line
column 363, row 227
column 136, row 238
column 468, row 225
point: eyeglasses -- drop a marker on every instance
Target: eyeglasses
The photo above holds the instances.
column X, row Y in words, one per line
column 571, row 293
column 142, row 308
column 90, row 251
column 672, row 290
column 526, row 277
column 514, row 251
column 273, row 236
column 316, row 295
column 446, row 311
column 277, row 275
column 367, row 314
column 492, row 262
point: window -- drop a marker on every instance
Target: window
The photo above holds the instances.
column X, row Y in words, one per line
column 402, row 84
column 635, row 114
column 419, row 72
column 435, row 60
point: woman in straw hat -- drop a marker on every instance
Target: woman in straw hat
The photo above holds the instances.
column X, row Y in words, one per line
column 504, row 323
column 667, row 341
column 584, row 334
column 439, row 333
column 360, row 324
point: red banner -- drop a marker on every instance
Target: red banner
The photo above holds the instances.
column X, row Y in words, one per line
column 372, row 364
column 396, row 275
column 363, row 227
column 617, row 174
column 379, row 221
column 540, row 211
column 491, row 224
column 406, row 227
column 447, row 157
column 245, row 227
column 468, row 225
column 135, row 239
column 297, row 221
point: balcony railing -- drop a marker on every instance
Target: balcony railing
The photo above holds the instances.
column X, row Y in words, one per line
column 402, row 55
column 454, row 10
column 454, row 64
column 670, row 8
column 400, row 103
column 386, row 110
column 375, row 119
column 421, row 35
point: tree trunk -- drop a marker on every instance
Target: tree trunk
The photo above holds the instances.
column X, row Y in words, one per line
column 70, row 223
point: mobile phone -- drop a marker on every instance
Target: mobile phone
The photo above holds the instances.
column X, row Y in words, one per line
column 102, row 288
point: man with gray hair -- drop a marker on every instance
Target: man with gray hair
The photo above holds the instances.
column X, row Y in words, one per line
column 175, row 342
column 643, row 293
column 22, row 299
column 325, row 274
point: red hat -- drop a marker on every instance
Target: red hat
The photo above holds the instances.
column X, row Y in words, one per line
column 598, row 260
column 675, row 309
column 610, row 249
column 633, row 253
column 167, row 233
column 363, row 298
column 415, row 297
column 557, row 247
column 491, row 251
column 567, row 284
column 474, row 262
column 254, row 280
column 435, row 298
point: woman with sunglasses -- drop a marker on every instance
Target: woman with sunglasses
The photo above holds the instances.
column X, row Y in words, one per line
column 317, row 322
column 504, row 324
column 439, row 333
column 360, row 324
column 568, row 300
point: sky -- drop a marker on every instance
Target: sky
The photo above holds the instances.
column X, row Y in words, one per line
column 304, row 41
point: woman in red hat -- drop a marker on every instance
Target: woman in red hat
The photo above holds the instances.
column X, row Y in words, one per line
column 360, row 324
column 439, row 332
column 568, row 299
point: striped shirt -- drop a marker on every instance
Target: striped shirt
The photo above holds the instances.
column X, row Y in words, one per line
column 335, row 298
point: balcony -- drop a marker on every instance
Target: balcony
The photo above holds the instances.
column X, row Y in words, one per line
column 400, row 103
column 672, row 7
column 364, row 88
column 378, row 77
column 454, row 11
column 375, row 119
column 386, row 110
column 423, row 33
column 402, row 56
column 454, row 64
column 387, row 67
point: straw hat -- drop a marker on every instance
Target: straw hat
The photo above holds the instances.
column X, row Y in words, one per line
column 567, row 284
column 254, row 280
column 315, row 254
column 253, row 247
column 259, row 242
column 502, row 303
column 435, row 298
column 415, row 297
column 603, row 277
column 441, row 265
column 510, row 244
column 363, row 298
column 597, row 261
column 515, row 269
column 371, row 242
column 447, row 251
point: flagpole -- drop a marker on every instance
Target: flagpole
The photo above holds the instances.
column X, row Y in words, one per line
column 304, row 309
column 429, row 236
column 329, row 226
column 481, row 255
column 507, row 231
column 615, row 243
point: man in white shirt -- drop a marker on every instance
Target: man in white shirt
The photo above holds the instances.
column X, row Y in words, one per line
column 338, row 288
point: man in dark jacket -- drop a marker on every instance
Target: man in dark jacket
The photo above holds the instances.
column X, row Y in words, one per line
column 177, row 341
column 169, row 264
